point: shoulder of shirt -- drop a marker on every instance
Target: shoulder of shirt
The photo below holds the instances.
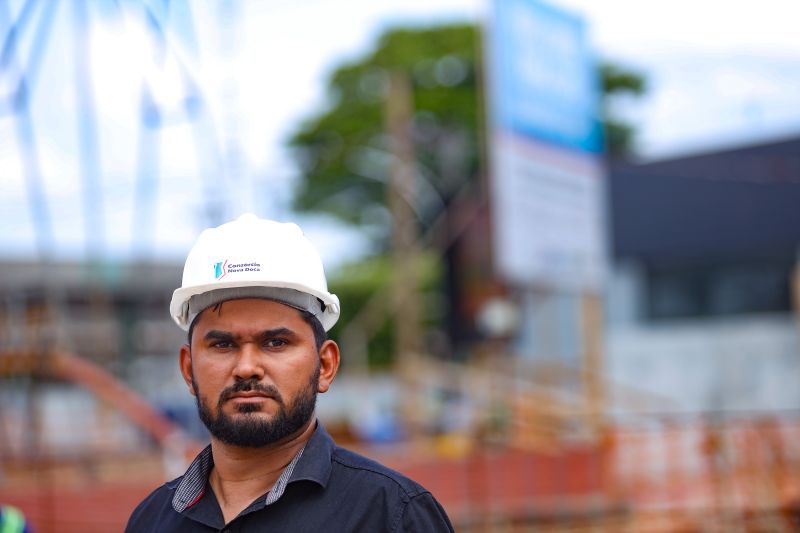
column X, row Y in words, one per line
column 350, row 459
column 160, row 494
column 169, row 486
column 159, row 498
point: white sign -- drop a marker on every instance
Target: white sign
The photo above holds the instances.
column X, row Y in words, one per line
column 547, row 180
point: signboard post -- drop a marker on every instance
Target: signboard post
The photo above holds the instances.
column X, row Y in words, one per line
column 547, row 177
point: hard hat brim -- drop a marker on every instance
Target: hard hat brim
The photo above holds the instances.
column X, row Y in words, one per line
column 179, row 306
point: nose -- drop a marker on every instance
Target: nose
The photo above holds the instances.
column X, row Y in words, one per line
column 249, row 363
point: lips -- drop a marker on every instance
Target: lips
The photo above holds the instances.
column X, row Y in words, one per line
column 250, row 392
column 250, row 397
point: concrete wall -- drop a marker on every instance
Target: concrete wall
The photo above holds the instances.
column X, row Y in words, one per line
column 742, row 364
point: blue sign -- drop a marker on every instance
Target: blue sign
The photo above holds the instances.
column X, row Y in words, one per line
column 544, row 82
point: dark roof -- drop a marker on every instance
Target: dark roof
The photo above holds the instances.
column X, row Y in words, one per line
column 738, row 205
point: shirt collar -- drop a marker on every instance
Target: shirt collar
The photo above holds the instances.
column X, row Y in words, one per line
column 316, row 467
column 316, row 463
column 193, row 484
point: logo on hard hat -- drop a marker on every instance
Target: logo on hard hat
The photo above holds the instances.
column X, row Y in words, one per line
column 220, row 269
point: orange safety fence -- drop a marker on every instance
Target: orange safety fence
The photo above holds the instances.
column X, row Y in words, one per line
column 731, row 469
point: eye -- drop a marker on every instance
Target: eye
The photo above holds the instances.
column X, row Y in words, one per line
column 222, row 345
column 276, row 343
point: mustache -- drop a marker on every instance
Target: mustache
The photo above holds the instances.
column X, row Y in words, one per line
column 250, row 385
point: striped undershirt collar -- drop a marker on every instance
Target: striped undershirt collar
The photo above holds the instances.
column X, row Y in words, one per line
column 193, row 485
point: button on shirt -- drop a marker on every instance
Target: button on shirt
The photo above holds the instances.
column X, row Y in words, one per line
column 324, row 488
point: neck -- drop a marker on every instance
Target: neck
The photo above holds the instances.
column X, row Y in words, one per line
column 240, row 475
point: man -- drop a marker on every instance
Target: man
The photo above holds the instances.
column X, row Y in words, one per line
column 256, row 306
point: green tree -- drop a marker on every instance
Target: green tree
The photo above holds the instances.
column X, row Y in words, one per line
column 357, row 284
column 343, row 153
column 617, row 83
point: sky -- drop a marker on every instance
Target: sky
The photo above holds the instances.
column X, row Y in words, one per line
column 720, row 73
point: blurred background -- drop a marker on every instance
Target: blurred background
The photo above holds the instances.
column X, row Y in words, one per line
column 565, row 236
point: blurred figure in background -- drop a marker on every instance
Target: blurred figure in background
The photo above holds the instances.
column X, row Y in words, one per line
column 12, row 520
column 255, row 303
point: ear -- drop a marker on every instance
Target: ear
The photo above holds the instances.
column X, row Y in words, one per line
column 186, row 367
column 328, row 364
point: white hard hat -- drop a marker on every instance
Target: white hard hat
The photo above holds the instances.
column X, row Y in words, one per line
column 254, row 258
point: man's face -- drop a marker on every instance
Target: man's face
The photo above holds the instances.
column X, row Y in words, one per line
column 255, row 371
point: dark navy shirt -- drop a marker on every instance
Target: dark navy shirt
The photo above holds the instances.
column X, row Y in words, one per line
column 324, row 488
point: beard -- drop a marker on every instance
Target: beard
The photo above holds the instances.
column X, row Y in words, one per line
column 249, row 430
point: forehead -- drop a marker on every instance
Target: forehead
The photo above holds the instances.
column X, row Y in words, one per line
column 251, row 315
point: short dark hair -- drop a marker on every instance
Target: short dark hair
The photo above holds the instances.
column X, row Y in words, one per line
column 320, row 335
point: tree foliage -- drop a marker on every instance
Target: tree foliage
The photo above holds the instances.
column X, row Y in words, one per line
column 344, row 155
column 356, row 284
column 618, row 82
column 343, row 151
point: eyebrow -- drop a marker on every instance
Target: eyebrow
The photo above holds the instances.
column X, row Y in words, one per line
column 215, row 334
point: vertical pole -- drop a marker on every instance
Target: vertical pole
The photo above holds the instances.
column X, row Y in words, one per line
column 88, row 140
column 796, row 289
column 592, row 326
column 404, row 226
column 146, row 187
column 399, row 109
